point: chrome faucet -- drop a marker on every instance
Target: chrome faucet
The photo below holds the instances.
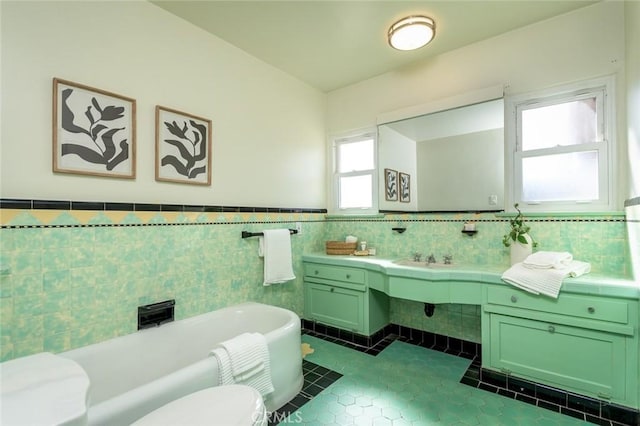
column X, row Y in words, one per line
column 431, row 258
column 447, row 259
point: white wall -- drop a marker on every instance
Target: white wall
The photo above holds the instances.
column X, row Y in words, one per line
column 397, row 152
column 585, row 43
column 268, row 128
column 632, row 17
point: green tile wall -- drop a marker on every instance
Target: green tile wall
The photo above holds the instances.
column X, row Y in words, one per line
column 72, row 286
column 600, row 240
column 69, row 287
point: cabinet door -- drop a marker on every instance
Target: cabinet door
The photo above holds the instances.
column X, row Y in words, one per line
column 586, row 361
column 340, row 307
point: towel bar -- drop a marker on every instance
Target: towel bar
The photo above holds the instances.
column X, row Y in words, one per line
column 246, row 234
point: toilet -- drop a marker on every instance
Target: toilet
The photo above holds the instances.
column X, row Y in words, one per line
column 51, row 390
column 43, row 389
column 230, row 405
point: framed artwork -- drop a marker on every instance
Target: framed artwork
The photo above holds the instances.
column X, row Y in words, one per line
column 405, row 187
column 94, row 131
column 183, row 147
column 390, row 185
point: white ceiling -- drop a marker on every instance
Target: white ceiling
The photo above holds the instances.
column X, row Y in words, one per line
column 332, row 44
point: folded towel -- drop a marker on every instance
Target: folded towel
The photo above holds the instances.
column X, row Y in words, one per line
column 543, row 281
column 225, row 375
column 548, row 259
column 245, row 360
column 275, row 246
column 247, row 352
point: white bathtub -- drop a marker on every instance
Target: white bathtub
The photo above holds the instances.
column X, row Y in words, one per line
column 135, row 374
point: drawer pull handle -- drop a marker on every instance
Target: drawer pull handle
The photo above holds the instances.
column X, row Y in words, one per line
column 332, row 290
column 514, row 299
column 316, row 272
column 348, row 276
column 552, row 329
column 591, row 309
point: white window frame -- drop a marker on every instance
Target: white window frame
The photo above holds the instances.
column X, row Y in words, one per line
column 604, row 91
column 361, row 135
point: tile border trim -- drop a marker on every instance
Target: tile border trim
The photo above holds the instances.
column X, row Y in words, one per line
column 24, row 204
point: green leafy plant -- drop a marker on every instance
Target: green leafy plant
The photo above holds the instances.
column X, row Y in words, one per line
column 518, row 232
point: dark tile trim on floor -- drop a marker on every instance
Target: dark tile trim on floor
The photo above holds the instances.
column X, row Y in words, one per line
column 378, row 341
column 316, row 379
column 579, row 406
column 582, row 407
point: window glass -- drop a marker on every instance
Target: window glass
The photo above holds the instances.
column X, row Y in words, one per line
column 354, row 174
column 570, row 176
column 563, row 142
column 561, row 124
column 356, row 192
column 355, row 156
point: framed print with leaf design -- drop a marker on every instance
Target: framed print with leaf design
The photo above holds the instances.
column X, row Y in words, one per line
column 94, row 131
column 183, row 147
column 405, row 187
column 390, row 185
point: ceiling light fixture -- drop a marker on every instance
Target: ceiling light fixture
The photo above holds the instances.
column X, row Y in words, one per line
column 411, row 33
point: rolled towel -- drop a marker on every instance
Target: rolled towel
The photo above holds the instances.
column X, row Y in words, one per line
column 548, row 259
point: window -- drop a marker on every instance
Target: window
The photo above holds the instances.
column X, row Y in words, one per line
column 355, row 184
column 562, row 144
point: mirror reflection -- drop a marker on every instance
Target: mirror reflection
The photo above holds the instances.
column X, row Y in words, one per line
column 450, row 160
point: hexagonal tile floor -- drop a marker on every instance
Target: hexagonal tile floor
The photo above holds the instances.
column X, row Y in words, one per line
column 408, row 385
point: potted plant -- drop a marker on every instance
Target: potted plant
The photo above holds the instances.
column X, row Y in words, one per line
column 518, row 239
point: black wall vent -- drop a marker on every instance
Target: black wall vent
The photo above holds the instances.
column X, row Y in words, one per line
column 155, row 314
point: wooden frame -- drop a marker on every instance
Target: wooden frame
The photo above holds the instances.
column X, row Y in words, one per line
column 94, row 131
column 390, row 185
column 405, row 187
column 183, row 147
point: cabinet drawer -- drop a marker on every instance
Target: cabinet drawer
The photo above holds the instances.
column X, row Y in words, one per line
column 566, row 304
column 585, row 361
column 334, row 273
column 335, row 306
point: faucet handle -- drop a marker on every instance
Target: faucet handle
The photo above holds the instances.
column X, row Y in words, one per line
column 447, row 259
column 431, row 258
column 417, row 256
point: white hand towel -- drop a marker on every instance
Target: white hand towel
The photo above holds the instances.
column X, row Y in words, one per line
column 275, row 246
column 225, row 375
column 548, row 259
column 245, row 360
column 247, row 352
column 543, row 281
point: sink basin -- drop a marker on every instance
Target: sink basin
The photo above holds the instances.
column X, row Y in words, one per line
column 422, row 264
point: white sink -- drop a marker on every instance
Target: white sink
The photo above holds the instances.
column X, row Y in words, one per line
column 422, row 264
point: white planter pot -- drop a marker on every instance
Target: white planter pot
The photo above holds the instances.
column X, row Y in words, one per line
column 519, row 251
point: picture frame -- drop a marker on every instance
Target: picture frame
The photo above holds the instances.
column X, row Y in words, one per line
column 94, row 131
column 183, row 147
column 390, row 185
column 405, row 187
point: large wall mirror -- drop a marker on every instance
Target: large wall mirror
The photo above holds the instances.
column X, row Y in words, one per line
column 450, row 160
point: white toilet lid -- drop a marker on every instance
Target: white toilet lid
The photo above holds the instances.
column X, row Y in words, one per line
column 43, row 389
column 222, row 405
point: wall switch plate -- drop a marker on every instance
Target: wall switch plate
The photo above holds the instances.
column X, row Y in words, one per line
column 493, row 200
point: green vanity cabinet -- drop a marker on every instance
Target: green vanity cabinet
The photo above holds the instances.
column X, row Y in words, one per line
column 580, row 343
column 340, row 296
